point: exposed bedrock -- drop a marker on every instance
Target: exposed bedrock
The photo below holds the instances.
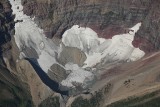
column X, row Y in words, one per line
column 106, row 17
column 72, row 55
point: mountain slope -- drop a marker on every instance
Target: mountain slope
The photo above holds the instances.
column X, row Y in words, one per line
column 100, row 52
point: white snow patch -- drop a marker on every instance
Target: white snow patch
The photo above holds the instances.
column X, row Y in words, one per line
column 77, row 75
column 46, row 61
column 28, row 34
column 82, row 38
column 42, row 45
column 118, row 48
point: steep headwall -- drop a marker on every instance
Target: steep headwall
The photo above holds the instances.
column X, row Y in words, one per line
column 106, row 17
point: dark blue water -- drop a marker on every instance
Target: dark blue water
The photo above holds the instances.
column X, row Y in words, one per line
column 45, row 78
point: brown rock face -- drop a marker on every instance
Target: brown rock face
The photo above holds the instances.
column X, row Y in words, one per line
column 57, row 73
column 149, row 33
column 106, row 17
column 13, row 93
column 39, row 91
column 72, row 55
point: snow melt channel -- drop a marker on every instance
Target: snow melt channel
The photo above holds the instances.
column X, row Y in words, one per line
column 119, row 48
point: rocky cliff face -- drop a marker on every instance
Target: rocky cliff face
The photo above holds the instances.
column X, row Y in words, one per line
column 106, row 17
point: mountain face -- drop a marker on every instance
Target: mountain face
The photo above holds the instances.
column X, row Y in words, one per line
column 106, row 17
column 79, row 53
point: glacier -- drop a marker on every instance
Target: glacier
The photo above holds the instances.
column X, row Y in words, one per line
column 29, row 35
column 119, row 48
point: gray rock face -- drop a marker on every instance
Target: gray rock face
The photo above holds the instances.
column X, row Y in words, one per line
column 57, row 73
column 30, row 53
column 73, row 55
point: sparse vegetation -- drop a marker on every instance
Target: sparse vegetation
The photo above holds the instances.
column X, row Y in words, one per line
column 12, row 93
column 148, row 100
column 20, row 99
column 95, row 101
column 127, row 82
column 50, row 102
